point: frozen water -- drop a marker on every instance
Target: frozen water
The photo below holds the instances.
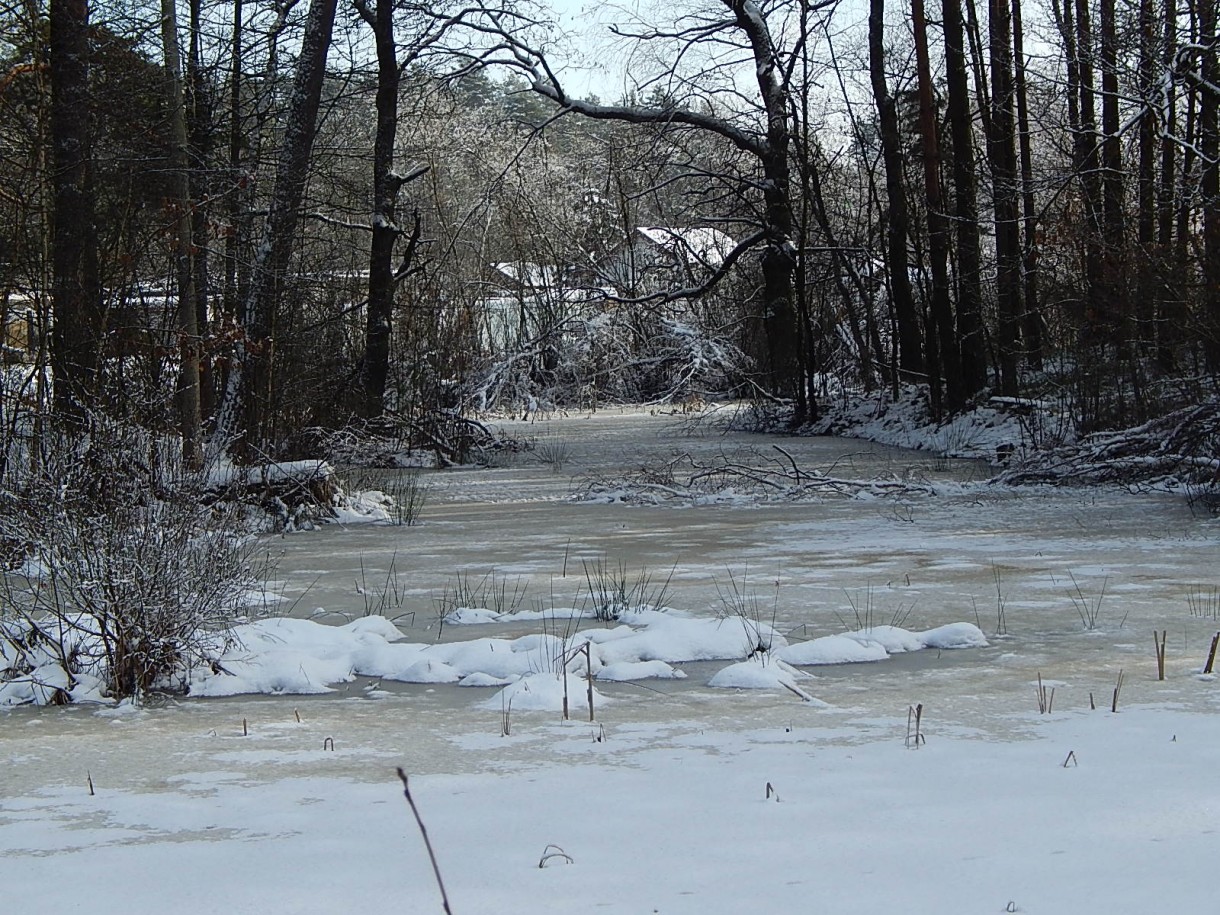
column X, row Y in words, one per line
column 812, row 568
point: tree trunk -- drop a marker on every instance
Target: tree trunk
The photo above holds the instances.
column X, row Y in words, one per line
column 200, row 124
column 910, row 342
column 938, row 228
column 186, row 398
column 1145, row 292
column 248, row 391
column 1209, row 150
column 1113, row 217
column 1088, row 167
column 1032, row 318
column 1002, row 156
column 966, row 215
column 779, row 256
column 76, row 334
column 386, row 184
column 1168, row 303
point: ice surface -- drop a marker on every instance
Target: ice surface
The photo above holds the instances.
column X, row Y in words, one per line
column 661, row 802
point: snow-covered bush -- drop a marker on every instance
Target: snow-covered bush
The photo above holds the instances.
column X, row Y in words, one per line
column 122, row 581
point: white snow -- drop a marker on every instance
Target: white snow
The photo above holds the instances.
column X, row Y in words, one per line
column 761, row 672
column 282, row 655
column 654, row 818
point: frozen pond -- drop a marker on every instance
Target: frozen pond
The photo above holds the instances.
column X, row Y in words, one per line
column 1024, row 565
column 291, row 804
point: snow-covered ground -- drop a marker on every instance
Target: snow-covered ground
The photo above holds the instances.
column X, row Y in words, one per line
column 291, row 803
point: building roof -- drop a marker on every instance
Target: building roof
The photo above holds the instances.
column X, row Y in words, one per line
column 695, row 245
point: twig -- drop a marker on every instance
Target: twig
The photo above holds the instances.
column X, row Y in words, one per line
column 423, row 831
column 552, row 852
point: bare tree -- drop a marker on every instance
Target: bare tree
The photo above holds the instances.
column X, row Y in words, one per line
column 428, row 25
column 1002, row 158
column 910, row 342
column 965, row 198
column 187, row 394
column 942, row 338
column 247, row 392
column 77, row 292
column 763, row 138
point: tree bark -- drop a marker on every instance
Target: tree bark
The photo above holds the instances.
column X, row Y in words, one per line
column 1031, row 324
column 779, row 256
column 1088, row 167
column 965, row 197
column 186, row 397
column 200, row 126
column 247, row 396
column 79, row 324
column 1002, row 156
column 910, row 341
column 1146, row 186
column 938, row 229
column 1168, row 314
column 386, row 184
column 1209, row 150
column 1113, row 216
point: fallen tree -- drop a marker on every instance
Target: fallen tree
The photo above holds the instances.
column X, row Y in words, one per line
column 751, row 473
column 1180, row 450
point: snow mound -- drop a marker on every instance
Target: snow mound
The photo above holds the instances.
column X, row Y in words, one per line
column 482, row 679
column 367, row 506
column 761, row 673
column 544, row 692
column 666, row 636
column 832, row 649
column 954, row 635
column 471, row 616
column 624, row 671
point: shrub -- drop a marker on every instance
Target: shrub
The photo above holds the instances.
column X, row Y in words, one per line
column 126, row 581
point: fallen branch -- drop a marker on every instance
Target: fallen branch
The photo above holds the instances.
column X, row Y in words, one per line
column 685, row 477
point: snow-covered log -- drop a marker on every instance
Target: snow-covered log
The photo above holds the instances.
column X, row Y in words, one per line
column 290, row 490
column 1179, row 448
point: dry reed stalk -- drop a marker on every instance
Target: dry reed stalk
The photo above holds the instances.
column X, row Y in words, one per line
column 1211, row 655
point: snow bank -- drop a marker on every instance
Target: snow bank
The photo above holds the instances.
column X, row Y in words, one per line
column 650, row 635
column 832, row 649
column 544, row 692
column 761, row 672
column 285, row 655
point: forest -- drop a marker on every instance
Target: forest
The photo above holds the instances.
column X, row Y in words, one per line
column 254, row 225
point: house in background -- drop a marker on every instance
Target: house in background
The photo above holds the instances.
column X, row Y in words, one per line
column 656, row 258
column 529, row 299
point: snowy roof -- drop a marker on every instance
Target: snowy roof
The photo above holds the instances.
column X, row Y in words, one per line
column 696, row 245
column 535, row 276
